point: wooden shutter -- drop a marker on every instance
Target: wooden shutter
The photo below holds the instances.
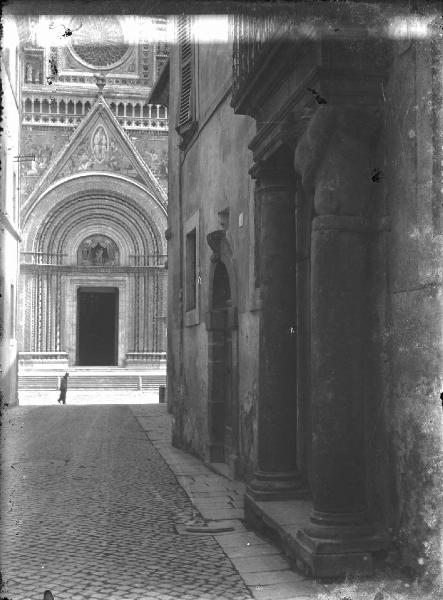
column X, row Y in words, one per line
column 184, row 40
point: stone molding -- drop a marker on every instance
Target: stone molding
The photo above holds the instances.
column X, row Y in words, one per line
column 74, row 269
column 107, row 201
column 88, row 182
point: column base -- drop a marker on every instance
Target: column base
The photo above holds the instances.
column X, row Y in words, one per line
column 277, row 486
column 336, row 551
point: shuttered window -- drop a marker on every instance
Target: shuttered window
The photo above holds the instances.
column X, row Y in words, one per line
column 186, row 108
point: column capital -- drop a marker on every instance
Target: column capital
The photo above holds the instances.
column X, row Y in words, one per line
column 331, row 131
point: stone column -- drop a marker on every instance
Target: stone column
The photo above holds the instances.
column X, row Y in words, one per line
column 276, row 475
column 340, row 536
column 303, row 303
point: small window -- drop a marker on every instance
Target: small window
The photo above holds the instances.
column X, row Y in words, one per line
column 191, row 270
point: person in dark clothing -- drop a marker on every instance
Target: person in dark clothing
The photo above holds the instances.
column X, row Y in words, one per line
column 47, row 595
column 63, row 389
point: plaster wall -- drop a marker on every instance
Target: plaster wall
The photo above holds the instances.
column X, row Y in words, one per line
column 213, row 177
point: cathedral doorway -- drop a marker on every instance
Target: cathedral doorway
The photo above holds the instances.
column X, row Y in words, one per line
column 97, row 326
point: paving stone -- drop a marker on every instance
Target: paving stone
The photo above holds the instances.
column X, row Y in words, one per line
column 229, row 540
column 245, row 551
column 283, row 591
column 260, row 563
column 101, row 523
column 272, row 577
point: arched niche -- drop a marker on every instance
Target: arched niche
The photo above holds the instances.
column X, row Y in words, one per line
column 221, row 324
column 98, row 250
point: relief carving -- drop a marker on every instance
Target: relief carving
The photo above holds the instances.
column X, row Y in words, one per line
column 42, row 159
column 97, row 250
column 34, row 67
column 101, row 153
column 99, row 144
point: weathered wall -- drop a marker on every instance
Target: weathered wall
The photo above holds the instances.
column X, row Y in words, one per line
column 213, row 176
column 9, row 234
column 413, row 321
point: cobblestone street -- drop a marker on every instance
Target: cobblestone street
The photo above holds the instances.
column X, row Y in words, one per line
column 91, row 510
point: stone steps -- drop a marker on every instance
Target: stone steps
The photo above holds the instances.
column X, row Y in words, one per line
column 93, row 382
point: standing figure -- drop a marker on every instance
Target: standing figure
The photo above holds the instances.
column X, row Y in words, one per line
column 99, row 254
column 100, row 144
column 29, row 73
column 63, row 389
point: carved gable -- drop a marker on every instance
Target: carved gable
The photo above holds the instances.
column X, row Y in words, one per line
column 100, row 144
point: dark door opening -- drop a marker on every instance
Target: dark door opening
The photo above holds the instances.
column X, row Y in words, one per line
column 220, row 361
column 97, row 326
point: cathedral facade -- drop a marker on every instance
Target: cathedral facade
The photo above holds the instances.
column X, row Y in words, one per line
column 93, row 193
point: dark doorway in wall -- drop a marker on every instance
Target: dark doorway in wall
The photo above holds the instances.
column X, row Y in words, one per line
column 97, row 326
column 221, row 367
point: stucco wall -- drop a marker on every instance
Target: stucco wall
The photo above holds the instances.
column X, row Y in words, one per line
column 213, row 177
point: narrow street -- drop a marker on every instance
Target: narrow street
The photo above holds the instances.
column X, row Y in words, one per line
column 91, row 510
column 91, row 513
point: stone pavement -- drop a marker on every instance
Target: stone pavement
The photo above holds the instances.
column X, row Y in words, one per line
column 220, row 502
column 83, row 397
column 97, row 504
column 92, row 511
